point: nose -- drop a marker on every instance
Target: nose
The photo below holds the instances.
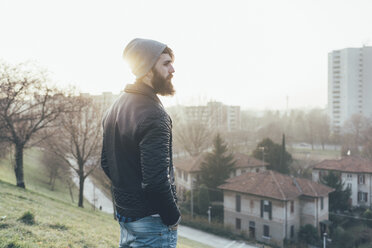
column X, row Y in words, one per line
column 171, row 69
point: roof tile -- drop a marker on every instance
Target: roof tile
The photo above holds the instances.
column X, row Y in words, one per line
column 346, row 164
column 193, row 164
column 275, row 185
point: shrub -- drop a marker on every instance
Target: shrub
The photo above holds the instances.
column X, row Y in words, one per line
column 368, row 215
column 341, row 238
column 59, row 226
column 217, row 213
column 309, row 235
column 4, row 225
column 28, row 218
column 13, row 245
column 203, row 199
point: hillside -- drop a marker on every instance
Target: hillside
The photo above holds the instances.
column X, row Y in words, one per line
column 58, row 224
column 58, row 220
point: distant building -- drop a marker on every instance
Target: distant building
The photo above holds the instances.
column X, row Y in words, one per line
column 355, row 173
column 245, row 163
column 216, row 115
column 271, row 207
column 105, row 99
column 349, row 84
column 187, row 170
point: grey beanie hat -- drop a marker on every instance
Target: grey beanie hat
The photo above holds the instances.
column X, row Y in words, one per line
column 142, row 55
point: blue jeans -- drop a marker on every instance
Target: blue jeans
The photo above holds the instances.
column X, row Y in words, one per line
column 147, row 232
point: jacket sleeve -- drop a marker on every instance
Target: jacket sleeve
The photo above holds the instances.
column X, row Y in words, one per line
column 155, row 161
column 104, row 164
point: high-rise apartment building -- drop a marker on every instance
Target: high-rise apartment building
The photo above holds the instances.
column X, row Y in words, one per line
column 349, row 85
column 216, row 116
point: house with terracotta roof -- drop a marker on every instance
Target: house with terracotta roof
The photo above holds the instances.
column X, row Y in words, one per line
column 271, row 207
column 187, row 169
column 245, row 163
column 355, row 173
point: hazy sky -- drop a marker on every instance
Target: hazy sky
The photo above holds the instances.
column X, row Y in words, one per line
column 247, row 53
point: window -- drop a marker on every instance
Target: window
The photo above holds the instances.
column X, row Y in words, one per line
column 252, row 229
column 266, row 206
column 349, row 176
column 321, row 203
column 292, row 206
column 266, row 231
column 292, row 231
column 362, row 196
column 361, row 179
column 252, row 204
column 238, row 223
column 257, row 170
column 243, row 171
column 237, row 203
column 179, row 173
column 185, row 176
column 349, row 185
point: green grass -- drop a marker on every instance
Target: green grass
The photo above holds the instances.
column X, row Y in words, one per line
column 55, row 223
column 39, row 217
column 36, row 178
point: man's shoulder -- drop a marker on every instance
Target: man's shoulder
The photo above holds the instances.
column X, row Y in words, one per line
column 141, row 106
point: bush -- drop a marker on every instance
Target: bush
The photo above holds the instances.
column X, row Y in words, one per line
column 368, row 215
column 217, row 213
column 28, row 218
column 361, row 235
column 342, row 239
column 203, row 199
column 14, row 245
column 4, row 225
column 309, row 235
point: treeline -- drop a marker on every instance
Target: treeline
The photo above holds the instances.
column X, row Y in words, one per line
column 309, row 128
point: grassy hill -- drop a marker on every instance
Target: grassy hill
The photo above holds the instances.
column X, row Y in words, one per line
column 58, row 221
column 36, row 178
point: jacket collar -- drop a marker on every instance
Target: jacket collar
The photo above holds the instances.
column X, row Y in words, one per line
column 143, row 89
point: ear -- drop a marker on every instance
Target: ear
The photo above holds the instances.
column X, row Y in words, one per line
column 147, row 78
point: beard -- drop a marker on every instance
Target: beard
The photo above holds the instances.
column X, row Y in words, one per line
column 162, row 86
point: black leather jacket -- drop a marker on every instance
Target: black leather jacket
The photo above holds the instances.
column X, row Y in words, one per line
column 137, row 155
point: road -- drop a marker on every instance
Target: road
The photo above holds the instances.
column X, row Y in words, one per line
column 210, row 239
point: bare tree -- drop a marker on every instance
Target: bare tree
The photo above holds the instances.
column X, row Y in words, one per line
column 191, row 133
column 357, row 125
column 27, row 106
column 54, row 167
column 194, row 136
column 78, row 140
column 310, row 127
column 317, row 127
column 367, row 146
column 323, row 129
column 4, row 149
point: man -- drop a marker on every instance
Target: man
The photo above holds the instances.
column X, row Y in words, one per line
column 137, row 150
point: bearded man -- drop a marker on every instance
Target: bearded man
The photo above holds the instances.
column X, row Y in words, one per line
column 137, row 150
